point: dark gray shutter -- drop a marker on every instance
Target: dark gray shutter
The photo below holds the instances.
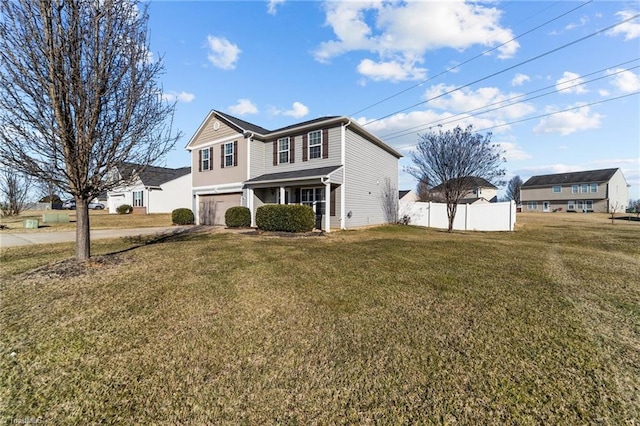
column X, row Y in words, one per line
column 332, row 201
column 292, row 149
column 325, row 143
column 199, row 160
column 211, row 158
column 222, row 156
column 305, row 148
column 275, row 153
column 235, row 153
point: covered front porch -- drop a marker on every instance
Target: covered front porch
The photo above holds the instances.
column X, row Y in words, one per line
column 321, row 189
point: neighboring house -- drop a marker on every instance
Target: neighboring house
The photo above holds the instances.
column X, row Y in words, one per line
column 587, row 191
column 407, row 195
column 481, row 191
column 332, row 164
column 150, row 189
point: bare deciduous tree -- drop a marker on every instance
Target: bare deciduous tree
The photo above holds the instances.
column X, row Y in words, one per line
column 449, row 158
column 389, row 200
column 513, row 189
column 79, row 95
column 14, row 192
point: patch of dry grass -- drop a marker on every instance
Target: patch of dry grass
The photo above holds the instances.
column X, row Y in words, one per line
column 98, row 219
column 385, row 325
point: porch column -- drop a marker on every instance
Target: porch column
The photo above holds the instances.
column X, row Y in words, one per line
column 282, row 200
column 250, row 205
column 327, row 207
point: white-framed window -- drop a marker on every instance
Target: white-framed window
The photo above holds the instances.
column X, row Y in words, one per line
column 584, row 188
column 205, row 159
column 228, row 154
column 557, row 189
column 313, row 197
column 588, row 205
column 138, row 198
column 532, row 205
column 580, row 205
column 315, row 144
column 283, row 150
column 593, row 187
column 571, row 205
column 575, row 189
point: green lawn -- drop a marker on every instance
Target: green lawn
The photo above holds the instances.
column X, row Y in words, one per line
column 391, row 325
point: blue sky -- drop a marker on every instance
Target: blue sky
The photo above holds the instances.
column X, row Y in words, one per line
column 564, row 94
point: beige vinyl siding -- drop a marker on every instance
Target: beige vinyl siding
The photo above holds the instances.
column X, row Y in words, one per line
column 220, row 175
column 332, row 160
column 207, row 133
column 366, row 167
column 546, row 193
column 257, row 165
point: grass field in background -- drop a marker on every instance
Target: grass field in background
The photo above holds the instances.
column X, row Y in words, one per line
column 391, row 325
column 98, row 219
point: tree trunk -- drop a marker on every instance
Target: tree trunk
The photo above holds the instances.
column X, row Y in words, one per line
column 83, row 240
column 451, row 214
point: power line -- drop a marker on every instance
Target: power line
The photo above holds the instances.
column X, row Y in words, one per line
column 473, row 58
column 564, row 46
column 481, row 110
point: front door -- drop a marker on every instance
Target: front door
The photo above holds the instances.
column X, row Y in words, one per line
column 546, row 206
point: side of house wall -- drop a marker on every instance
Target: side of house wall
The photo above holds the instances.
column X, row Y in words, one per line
column 618, row 192
column 173, row 195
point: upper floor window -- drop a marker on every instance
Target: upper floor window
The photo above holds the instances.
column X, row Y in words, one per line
column 283, row 150
column 575, row 189
column 229, row 154
column 315, row 144
column 205, row 159
column 584, row 188
column 557, row 188
column 593, row 187
column 138, row 200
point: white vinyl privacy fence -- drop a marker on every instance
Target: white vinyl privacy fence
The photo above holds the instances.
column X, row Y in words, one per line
column 469, row 217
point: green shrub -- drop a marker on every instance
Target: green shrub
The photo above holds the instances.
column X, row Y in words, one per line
column 124, row 209
column 238, row 217
column 182, row 217
column 288, row 218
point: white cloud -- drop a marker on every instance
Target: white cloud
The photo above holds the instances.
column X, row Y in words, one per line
column 272, row 5
column 298, row 110
column 629, row 30
column 549, row 169
column 513, row 152
column 180, row 97
column 391, row 70
column 570, row 83
column 520, row 79
column 568, row 122
column 625, row 81
column 400, row 33
column 222, row 53
column 467, row 99
column 583, row 21
column 244, row 106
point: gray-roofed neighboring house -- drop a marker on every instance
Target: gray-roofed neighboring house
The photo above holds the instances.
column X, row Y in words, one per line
column 480, row 190
column 150, row 189
column 584, row 191
column 330, row 163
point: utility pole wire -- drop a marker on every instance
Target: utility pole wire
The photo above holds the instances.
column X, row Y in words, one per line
column 564, row 46
column 471, row 59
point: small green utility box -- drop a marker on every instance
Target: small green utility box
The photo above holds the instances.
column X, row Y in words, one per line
column 55, row 218
column 31, row 224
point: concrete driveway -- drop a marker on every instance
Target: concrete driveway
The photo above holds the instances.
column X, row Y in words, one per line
column 8, row 239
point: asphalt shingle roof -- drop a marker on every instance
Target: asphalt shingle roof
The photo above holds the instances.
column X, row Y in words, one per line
column 472, row 182
column 152, row 175
column 296, row 174
column 602, row 175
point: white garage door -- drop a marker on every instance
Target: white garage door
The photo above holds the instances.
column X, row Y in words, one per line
column 213, row 207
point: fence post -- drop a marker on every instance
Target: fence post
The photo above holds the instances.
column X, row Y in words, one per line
column 429, row 215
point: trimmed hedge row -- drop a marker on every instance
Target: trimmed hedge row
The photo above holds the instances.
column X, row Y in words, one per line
column 124, row 209
column 182, row 217
column 285, row 217
column 237, row 217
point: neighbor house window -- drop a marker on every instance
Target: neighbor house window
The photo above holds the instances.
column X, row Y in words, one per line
column 588, row 205
column 532, row 205
column 315, row 144
column 138, row 199
column 283, row 150
column 205, row 159
column 580, row 205
column 571, row 205
column 228, row 154
column 575, row 189
column 557, row 188
column 584, row 188
column 593, row 187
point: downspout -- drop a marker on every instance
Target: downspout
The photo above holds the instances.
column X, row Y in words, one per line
column 343, row 207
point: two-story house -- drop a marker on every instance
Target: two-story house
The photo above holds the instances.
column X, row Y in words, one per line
column 480, row 190
column 332, row 164
column 586, row 191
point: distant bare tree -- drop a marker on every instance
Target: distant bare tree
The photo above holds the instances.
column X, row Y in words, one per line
column 79, row 95
column 513, row 189
column 14, row 190
column 450, row 157
column 613, row 209
column 389, row 200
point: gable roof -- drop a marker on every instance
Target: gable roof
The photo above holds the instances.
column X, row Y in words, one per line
column 471, row 182
column 151, row 175
column 403, row 192
column 263, row 134
column 586, row 176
